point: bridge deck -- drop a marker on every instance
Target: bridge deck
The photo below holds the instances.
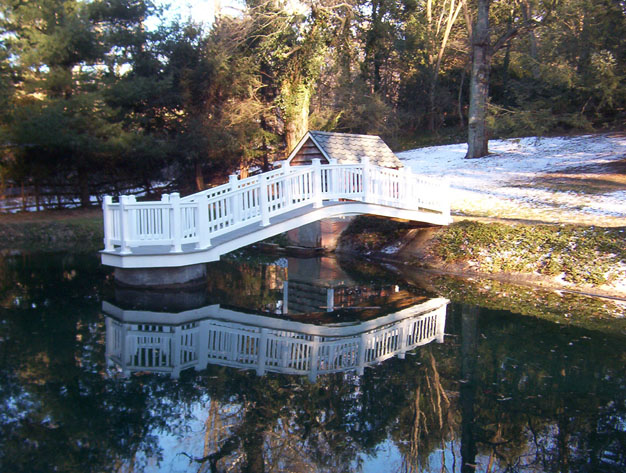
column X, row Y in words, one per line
column 160, row 256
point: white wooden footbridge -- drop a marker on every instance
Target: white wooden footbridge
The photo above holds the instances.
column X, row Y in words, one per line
column 171, row 342
column 201, row 227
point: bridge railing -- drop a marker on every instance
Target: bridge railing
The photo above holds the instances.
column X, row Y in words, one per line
column 198, row 218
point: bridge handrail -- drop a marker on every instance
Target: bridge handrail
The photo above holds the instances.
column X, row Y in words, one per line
column 196, row 219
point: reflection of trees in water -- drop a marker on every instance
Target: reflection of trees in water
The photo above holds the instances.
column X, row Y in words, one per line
column 246, row 284
column 546, row 397
column 541, row 391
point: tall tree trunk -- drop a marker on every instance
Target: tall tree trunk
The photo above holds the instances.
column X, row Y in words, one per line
column 527, row 12
column 23, row 194
column 199, row 177
column 37, row 196
column 83, row 186
column 477, row 138
column 505, row 73
column 460, row 101
column 298, row 98
column 373, row 53
column 431, row 103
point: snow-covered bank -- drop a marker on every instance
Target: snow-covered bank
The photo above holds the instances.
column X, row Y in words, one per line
column 533, row 178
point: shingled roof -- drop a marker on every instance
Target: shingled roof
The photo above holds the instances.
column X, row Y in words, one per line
column 348, row 148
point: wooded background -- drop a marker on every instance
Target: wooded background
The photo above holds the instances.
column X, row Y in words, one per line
column 94, row 102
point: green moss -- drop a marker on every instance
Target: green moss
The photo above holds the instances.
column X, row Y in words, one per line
column 581, row 254
column 559, row 307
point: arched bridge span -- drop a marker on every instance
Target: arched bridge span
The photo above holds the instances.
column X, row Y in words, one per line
column 201, row 227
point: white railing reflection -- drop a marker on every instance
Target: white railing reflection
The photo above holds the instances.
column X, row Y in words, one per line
column 145, row 341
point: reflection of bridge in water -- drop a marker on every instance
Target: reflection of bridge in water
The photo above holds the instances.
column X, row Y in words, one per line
column 171, row 342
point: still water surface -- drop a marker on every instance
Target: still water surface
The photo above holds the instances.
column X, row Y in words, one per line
column 294, row 365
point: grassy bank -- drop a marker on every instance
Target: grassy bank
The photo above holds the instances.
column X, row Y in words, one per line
column 560, row 307
column 574, row 254
column 52, row 230
column 570, row 256
column 578, row 257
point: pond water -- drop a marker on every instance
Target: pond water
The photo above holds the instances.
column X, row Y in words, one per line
column 285, row 364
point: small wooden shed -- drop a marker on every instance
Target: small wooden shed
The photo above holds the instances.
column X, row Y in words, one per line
column 342, row 148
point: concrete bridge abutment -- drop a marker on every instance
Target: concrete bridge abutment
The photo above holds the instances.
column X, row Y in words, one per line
column 161, row 277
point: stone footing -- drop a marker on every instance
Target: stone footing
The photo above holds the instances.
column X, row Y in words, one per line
column 161, row 277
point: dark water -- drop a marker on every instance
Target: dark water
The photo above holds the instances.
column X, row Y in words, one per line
column 295, row 365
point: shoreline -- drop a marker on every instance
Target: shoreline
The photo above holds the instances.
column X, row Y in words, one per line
column 472, row 249
column 413, row 248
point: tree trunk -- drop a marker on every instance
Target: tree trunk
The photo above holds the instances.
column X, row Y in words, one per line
column 199, row 177
column 23, row 194
column 298, row 98
column 477, row 139
column 37, row 196
column 460, row 101
column 83, row 186
column 527, row 12
column 431, row 103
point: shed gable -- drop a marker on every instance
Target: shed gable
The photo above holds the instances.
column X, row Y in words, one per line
column 307, row 152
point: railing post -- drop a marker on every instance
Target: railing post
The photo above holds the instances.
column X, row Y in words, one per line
column 203, row 345
column 317, row 183
column 234, row 199
column 365, row 179
column 108, row 224
column 408, row 185
column 176, row 223
column 360, row 359
column 125, row 222
column 314, row 360
column 262, row 352
column 126, row 352
column 263, row 201
column 402, row 330
column 335, row 173
column 175, row 353
column 204, row 239
column 441, row 323
column 286, row 184
column 445, row 200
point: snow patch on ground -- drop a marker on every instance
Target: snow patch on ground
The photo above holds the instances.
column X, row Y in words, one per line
column 511, row 181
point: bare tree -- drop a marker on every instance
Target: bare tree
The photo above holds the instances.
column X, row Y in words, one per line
column 482, row 53
column 439, row 27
